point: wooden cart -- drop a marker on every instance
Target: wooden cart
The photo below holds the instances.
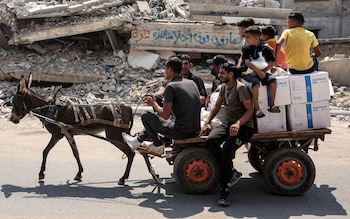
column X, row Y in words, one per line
column 281, row 157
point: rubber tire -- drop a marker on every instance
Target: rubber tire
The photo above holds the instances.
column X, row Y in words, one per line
column 275, row 159
column 182, row 162
column 256, row 158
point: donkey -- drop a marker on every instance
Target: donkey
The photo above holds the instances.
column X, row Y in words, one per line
column 69, row 120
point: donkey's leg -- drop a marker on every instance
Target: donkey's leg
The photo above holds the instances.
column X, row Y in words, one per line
column 54, row 139
column 116, row 138
column 130, row 155
column 74, row 147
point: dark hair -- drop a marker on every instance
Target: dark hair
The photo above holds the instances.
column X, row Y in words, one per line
column 254, row 30
column 175, row 64
column 298, row 17
column 230, row 67
column 246, row 22
column 269, row 31
column 184, row 57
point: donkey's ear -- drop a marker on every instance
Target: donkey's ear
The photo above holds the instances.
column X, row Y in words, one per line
column 30, row 79
column 22, row 84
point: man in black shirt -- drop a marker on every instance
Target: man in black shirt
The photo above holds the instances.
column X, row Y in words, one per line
column 186, row 73
column 181, row 98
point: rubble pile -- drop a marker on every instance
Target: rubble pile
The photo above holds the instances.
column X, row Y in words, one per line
column 260, row 3
column 91, row 53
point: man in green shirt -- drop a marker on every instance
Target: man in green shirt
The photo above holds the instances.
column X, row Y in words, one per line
column 237, row 129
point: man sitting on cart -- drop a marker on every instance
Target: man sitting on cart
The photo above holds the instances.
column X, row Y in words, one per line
column 179, row 118
column 236, row 130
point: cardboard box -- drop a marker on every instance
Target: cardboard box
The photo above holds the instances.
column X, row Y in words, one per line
column 306, row 88
column 283, row 96
column 272, row 122
column 305, row 116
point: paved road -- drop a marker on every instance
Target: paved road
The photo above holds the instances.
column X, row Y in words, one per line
column 99, row 195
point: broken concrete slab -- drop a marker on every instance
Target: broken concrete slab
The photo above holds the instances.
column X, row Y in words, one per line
column 143, row 6
column 235, row 11
column 69, row 29
column 142, row 59
column 165, row 54
column 47, row 9
column 60, row 78
column 338, row 69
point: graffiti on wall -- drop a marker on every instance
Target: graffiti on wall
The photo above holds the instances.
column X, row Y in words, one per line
column 187, row 37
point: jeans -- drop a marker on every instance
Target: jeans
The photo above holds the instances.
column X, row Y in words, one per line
column 225, row 154
column 154, row 124
column 313, row 68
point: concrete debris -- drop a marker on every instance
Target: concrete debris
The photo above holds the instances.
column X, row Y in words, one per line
column 142, row 59
column 260, row 3
column 85, row 45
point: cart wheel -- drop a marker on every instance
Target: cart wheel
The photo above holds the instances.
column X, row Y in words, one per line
column 256, row 158
column 288, row 171
column 196, row 170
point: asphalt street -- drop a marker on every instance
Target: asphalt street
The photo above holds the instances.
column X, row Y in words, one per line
column 100, row 196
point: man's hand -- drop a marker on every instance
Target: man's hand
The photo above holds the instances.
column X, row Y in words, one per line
column 149, row 99
column 234, row 128
column 206, row 130
column 261, row 74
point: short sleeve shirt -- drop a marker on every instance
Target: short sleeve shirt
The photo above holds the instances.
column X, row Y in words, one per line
column 199, row 82
column 184, row 95
column 256, row 52
column 232, row 100
column 298, row 44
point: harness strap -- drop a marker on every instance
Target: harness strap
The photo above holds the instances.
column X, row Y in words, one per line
column 93, row 113
column 74, row 110
column 114, row 123
column 81, row 118
column 84, row 109
column 115, row 115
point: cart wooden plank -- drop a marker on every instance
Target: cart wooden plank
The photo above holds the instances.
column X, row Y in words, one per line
column 269, row 136
column 292, row 135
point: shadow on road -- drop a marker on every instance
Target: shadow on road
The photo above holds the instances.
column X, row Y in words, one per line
column 250, row 198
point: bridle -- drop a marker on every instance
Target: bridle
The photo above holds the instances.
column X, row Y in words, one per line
column 20, row 108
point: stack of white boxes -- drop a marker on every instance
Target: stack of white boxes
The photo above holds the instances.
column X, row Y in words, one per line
column 274, row 122
column 310, row 94
column 303, row 101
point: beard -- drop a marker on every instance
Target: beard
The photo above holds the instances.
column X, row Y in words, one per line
column 223, row 80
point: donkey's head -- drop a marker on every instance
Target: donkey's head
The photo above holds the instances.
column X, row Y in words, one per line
column 20, row 108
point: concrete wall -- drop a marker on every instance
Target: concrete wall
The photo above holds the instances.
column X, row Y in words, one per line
column 330, row 17
column 335, row 46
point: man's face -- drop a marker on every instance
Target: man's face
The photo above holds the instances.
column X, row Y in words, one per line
column 241, row 31
column 186, row 65
column 252, row 40
column 223, row 75
column 167, row 72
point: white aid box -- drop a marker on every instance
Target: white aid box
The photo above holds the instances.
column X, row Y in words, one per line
column 311, row 87
column 306, row 116
column 272, row 122
column 282, row 93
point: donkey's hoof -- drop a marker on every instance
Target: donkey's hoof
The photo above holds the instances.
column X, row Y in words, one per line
column 121, row 181
column 78, row 178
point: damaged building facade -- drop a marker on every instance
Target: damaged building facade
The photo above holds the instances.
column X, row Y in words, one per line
column 112, row 47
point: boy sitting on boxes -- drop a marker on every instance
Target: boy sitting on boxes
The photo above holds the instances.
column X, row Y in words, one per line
column 259, row 59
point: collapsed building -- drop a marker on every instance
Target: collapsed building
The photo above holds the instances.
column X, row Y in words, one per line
column 115, row 48
column 116, row 42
